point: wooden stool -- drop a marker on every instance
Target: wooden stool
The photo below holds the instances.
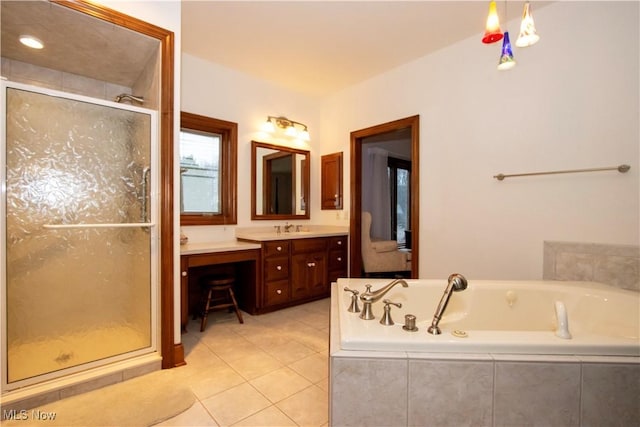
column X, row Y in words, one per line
column 215, row 286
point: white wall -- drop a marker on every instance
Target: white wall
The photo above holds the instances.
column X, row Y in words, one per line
column 213, row 90
column 571, row 102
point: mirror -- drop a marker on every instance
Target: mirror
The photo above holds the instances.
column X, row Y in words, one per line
column 279, row 182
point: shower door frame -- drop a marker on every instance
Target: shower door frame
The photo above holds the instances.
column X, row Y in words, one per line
column 151, row 225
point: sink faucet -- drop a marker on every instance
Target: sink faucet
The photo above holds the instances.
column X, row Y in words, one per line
column 457, row 283
column 287, row 227
column 369, row 297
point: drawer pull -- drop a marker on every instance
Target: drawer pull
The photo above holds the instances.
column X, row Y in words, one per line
column 339, row 242
column 279, row 268
column 339, row 258
column 184, row 274
column 311, row 264
column 279, row 291
column 279, row 248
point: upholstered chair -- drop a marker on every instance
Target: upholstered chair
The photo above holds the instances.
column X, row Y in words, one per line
column 381, row 255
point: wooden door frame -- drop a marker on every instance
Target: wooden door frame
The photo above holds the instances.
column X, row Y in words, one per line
column 172, row 354
column 355, row 234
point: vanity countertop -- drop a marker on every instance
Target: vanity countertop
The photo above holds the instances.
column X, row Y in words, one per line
column 262, row 234
column 211, row 247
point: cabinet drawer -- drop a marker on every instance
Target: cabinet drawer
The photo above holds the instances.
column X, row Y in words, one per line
column 338, row 242
column 337, row 260
column 276, row 268
column 276, row 292
column 280, row 247
column 308, row 245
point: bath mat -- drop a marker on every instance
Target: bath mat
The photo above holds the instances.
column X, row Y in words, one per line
column 141, row 401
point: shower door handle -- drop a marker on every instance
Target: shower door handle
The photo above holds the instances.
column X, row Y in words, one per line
column 100, row 225
column 144, row 209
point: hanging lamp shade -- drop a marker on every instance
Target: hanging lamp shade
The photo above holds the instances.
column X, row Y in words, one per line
column 506, row 57
column 528, row 35
column 492, row 32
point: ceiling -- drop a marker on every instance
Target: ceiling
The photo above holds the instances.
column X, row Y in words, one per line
column 312, row 47
column 74, row 42
column 318, row 47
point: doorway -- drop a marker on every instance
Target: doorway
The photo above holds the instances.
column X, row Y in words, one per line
column 406, row 129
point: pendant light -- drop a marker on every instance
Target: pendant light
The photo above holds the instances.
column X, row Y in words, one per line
column 492, row 32
column 528, row 35
column 506, row 56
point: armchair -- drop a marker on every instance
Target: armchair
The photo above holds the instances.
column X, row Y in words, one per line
column 383, row 255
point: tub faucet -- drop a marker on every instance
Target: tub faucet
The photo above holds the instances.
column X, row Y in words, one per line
column 369, row 297
column 456, row 283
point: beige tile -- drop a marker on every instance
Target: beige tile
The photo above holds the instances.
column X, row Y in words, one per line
column 290, row 351
column 270, row 417
column 307, row 408
column 314, row 368
column 214, row 380
column 195, row 416
column 280, row 384
column 255, row 365
column 235, row 350
column 235, row 404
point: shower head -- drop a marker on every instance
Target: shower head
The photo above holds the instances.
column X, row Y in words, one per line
column 126, row 96
column 458, row 282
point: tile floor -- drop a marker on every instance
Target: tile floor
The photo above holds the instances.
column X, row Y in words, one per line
column 270, row 371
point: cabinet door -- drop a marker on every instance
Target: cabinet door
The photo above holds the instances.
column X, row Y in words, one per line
column 331, row 185
column 308, row 275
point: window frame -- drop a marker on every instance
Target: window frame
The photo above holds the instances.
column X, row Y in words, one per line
column 393, row 164
column 228, row 169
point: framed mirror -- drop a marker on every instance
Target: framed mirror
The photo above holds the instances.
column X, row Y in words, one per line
column 279, row 182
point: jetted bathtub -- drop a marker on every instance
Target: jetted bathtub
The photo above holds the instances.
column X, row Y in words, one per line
column 511, row 317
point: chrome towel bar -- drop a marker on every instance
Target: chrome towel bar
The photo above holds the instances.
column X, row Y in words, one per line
column 621, row 169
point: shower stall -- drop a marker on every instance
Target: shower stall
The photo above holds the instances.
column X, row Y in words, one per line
column 79, row 236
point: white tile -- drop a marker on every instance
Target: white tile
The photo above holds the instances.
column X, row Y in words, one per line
column 280, row 384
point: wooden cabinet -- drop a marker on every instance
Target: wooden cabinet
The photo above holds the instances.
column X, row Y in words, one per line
column 338, row 264
column 331, row 181
column 301, row 270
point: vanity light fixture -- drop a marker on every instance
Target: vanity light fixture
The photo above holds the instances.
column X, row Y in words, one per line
column 288, row 125
column 31, row 41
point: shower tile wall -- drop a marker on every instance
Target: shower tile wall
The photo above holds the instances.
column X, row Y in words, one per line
column 23, row 72
column 615, row 265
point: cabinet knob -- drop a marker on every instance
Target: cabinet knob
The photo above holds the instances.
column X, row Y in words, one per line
column 339, row 258
column 184, row 274
column 279, row 248
column 339, row 242
column 279, row 267
column 311, row 264
column 279, row 291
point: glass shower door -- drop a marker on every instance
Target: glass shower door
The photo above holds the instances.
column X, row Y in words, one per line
column 79, row 248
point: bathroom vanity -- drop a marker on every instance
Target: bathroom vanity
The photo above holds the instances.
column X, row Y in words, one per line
column 297, row 266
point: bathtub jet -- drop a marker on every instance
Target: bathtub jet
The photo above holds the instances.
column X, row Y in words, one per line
column 457, row 283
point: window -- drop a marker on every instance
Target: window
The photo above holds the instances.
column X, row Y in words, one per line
column 208, row 163
column 400, row 185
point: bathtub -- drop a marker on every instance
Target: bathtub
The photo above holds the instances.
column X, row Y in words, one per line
column 497, row 362
column 509, row 317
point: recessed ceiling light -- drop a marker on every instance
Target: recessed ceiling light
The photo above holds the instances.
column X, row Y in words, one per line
column 32, row 42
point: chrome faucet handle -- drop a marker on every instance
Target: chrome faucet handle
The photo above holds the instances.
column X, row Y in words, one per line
column 353, row 308
column 298, row 227
column 386, row 318
column 277, row 227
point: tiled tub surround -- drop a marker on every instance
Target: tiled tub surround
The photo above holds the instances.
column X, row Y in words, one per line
column 615, row 265
column 400, row 387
